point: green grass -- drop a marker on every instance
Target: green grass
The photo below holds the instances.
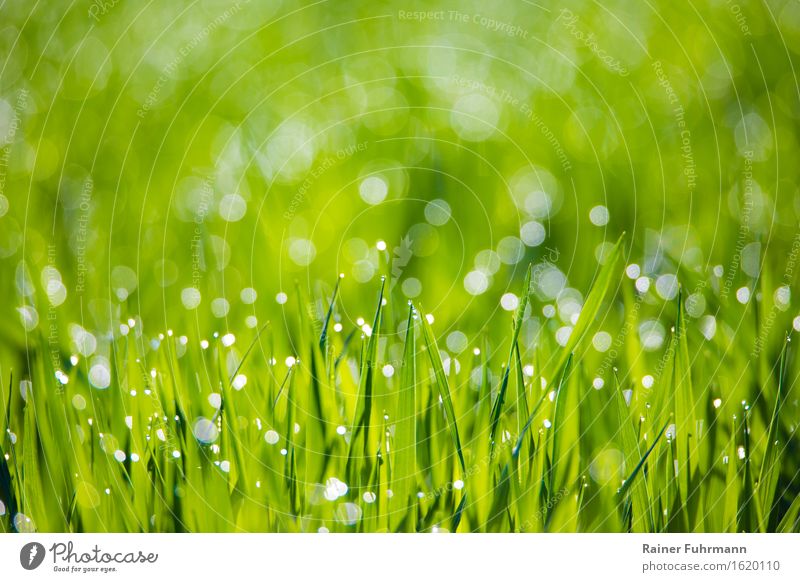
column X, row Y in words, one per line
column 332, row 442
column 181, row 184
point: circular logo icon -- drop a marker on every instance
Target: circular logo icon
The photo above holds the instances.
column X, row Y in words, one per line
column 31, row 555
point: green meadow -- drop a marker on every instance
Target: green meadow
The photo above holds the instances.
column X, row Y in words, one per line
column 272, row 266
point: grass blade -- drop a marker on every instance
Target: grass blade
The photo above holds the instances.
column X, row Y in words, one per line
column 590, row 309
column 771, row 465
column 442, row 386
column 405, row 442
column 497, row 407
column 630, row 480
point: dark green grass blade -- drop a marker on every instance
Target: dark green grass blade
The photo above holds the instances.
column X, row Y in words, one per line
column 630, row 480
column 771, row 465
column 747, row 518
column 323, row 338
column 247, row 352
column 501, row 493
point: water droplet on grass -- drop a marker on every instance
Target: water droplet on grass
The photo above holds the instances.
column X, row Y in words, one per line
column 373, row 190
column 509, row 301
column 334, row 488
column 232, row 208
column 271, row 437
column 29, row 317
column 667, row 286
column 220, row 307
column 348, row 513
column 239, row 381
column 86, row 495
column 476, row 283
column 532, row 233
column 599, row 215
column 100, row 373
column 743, row 295
column 205, row 431
column 24, row 524
column 190, row 297
column 601, row 341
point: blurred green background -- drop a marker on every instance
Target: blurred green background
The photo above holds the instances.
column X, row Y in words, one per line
column 186, row 164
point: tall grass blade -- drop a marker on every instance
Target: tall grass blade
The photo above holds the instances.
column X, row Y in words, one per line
column 771, row 464
column 442, row 386
column 405, row 442
column 497, row 407
column 636, row 470
column 591, row 308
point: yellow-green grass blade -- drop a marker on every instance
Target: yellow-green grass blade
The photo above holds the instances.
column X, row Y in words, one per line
column 315, row 399
column 33, row 505
column 442, row 385
column 790, row 523
column 508, row 477
column 497, row 407
column 591, row 308
column 479, row 476
column 364, row 443
column 564, row 423
column 404, row 473
column 687, row 432
column 641, row 516
column 564, row 453
column 520, row 397
column 443, row 389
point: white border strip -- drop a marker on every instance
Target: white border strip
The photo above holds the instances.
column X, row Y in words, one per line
column 415, row 558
